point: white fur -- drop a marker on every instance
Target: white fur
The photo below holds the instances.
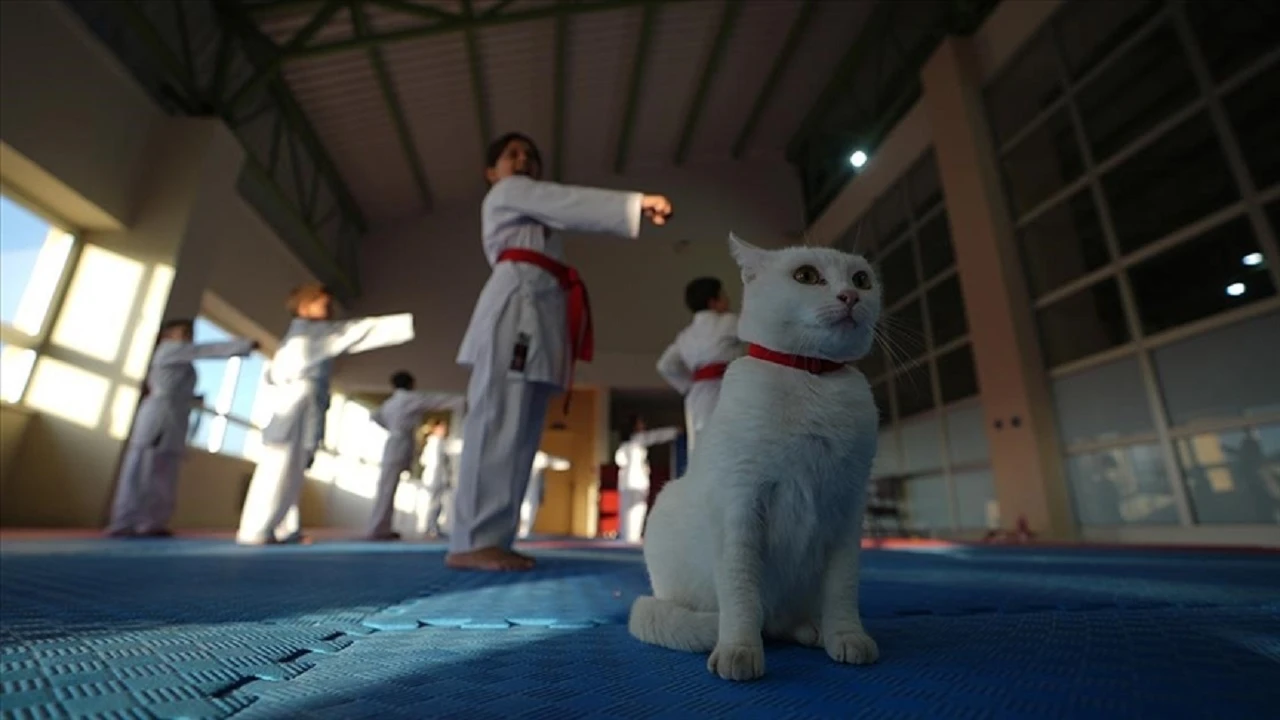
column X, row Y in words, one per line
column 761, row 536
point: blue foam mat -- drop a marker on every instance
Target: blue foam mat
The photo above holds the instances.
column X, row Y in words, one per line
column 202, row 629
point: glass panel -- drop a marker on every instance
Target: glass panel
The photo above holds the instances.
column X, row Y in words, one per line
column 1102, row 403
column 1043, row 163
column 1222, row 374
column 1122, row 486
column 886, row 462
column 976, row 505
column 967, row 435
column 198, row 433
column 1176, row 180
column 946, row 311
column 1083, row 324
column 926, row 505
column 1090, row 30
column 247, row 384
column 922, row 445
column 1232, row 34
column 860, row 238
column 898, row 273
column 913, row 391
column 881, row 394
column 1025, row 89
column 1253, row 110
column 873, row 365
column 903, row 329
column 1233, row 476
column 923, row 186
column 236, row 440
column 1150, row 82
column 15, row 370
column 22, row 235
column 1201, row 277
column 956, row 374
column 934, row 238
column 890, row 214
column 1063, row 244
column 211, row 371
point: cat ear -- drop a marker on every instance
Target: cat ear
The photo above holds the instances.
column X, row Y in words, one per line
column 749, row 257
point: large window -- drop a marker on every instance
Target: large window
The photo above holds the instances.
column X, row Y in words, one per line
column 34, row 254
column 1137, row 141
column 229, row 420
column 933, row 448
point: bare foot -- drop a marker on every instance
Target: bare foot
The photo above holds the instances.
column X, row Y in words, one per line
column 491, row 559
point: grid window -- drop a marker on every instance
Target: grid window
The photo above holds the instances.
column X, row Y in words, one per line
column 227, row 390
column 1145, row 202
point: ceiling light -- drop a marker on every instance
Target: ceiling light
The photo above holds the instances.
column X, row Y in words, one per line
column 858, row 159
column 1253, row 258
column 1235, row 289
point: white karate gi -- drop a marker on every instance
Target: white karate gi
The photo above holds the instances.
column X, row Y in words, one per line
column 533, row 495
column 438, row 460
column 299, row 383
column 711, row 338
column 400, row 415
column 520, row 305
column 147, row 488
column 632, row 459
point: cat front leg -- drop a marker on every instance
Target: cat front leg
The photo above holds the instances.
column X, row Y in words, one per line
column 739, row 651
column 842, row 633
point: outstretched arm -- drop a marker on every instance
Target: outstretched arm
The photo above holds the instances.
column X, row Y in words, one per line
column 349, row 337
column 428, row 401
column 672, row 369
column 566, row 207
column 656, row 436
column 179, row 353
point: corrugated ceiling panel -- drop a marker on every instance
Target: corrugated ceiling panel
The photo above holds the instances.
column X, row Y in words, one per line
column 519, row 76
column 749, row 56
column 600, row 51
column 682, row 37
column 432, row 78
column 340, row 95
column 281, row 28
column 834, row 27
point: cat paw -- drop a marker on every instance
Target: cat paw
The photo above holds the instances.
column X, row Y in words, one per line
column 807, row 634
column 854, row 647
column 737, row 662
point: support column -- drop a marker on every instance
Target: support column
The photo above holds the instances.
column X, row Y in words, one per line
column 1026, row 459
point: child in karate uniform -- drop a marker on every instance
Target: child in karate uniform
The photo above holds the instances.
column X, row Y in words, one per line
column 533, row 495
column 147, row 489
column 695, row 363
column 299, row 380
column 400, row 415
column 529, row 325
column 437, row 478
column 632, row 459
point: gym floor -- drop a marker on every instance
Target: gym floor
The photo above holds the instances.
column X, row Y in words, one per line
column 201, row 628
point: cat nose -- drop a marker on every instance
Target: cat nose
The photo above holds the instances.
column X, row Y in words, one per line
column 848, row 297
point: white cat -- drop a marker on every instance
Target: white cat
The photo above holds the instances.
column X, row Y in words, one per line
column 761, row 536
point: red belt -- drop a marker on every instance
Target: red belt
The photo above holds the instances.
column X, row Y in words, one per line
column 714, row 371
column 578, row 305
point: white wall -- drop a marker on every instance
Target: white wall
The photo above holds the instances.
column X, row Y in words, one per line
column 434, row 267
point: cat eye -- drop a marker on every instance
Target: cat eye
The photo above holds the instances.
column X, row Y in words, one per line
column 807, row 275
column 862, row 280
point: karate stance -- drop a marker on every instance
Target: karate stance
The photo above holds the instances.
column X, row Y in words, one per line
column 437, row 479
column 147, row 489
column 400, row 415
column 632, row 459
column 299, row 380
column 530, row 323
column 533, row 495
column 695, row 363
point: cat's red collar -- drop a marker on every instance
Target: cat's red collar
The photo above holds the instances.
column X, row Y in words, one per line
column 812, row 365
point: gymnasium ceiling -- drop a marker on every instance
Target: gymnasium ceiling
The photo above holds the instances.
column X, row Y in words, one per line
column 358, row 114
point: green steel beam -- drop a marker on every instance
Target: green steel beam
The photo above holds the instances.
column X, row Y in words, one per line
column 272, row 67
column 222, row 64
column 496, row 8
column 558, row 100
column 184, row 43
column 478, row 94
column 732, row 11
column 848, row 66
column 425, row 11
column 394, row 109
column 273, row 155
column 133, row 17
column 633, row 90
column 780, row 65
column 460, row 24
column 299, row 184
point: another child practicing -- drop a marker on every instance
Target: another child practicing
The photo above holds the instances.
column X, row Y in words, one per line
column 632, row 459
column 529, row 325
column 299, row 376
column 400, row 415
column 697, row 360
column 437, row 478
column 533, row 495
column 146, row 490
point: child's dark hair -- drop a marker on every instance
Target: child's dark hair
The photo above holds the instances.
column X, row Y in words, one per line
column 402, row 381
column 499, row 146
column 176, row 324
column 699, row 294
column 304, row 294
